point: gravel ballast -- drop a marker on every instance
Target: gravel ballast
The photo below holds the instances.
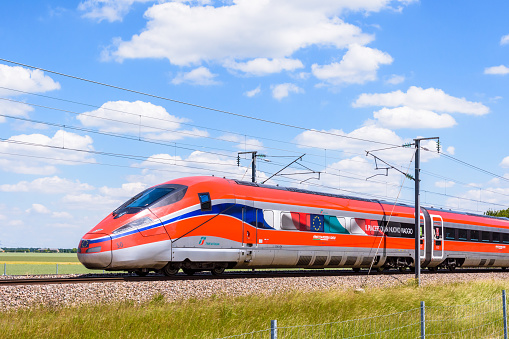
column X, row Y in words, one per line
column 58, row 295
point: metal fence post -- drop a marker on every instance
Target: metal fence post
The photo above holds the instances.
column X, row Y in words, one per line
column 57, row 268
column 504, row 308
column 273, row 329
column 423, row 321
column 5, row 268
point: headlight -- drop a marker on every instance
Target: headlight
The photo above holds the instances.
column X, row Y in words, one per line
column 133, row 225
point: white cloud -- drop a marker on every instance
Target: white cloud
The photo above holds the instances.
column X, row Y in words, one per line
column 450, row 150
column 127, row 190
column 395, row 79
column 126, row 117
column 253, row 92
column 481, row 200
column 160, row 168
column 500, row 70
column 110, row 10
column 244, row 29
column 504, row 40
column 23, row 79
column 245, row 144
column 61, row 215
column 358, row 66
column 264, row 66
column 444, row 184
column 200, row 76
column 49, row 185
column 406, row 117
column 85, row 201
column 427, row 99
column 43, row 160
column 283, row 90
column 505, row 162
column 339, row 140
column 14, row 109
column 38, row 209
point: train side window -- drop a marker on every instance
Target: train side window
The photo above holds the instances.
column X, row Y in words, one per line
column 474, row 235
column 304, row 222
column 449, row 233
column 505, row 238
column 205, row 202
column 462, row 234
column 334, row 224
column 265, row 219
column 289, row 221
column 485, row 236
column 496, row 237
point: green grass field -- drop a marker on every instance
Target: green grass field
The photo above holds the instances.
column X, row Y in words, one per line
column 41, row 263
column 219, row 317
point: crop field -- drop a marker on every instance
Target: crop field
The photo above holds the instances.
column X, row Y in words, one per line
column 41, row 263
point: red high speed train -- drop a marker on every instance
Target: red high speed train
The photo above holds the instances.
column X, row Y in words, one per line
column 209, row 223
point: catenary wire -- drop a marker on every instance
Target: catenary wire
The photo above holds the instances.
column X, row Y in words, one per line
column 197, row 106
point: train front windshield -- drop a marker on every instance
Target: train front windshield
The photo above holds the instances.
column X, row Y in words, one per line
column 149, row 196
column 155, row 196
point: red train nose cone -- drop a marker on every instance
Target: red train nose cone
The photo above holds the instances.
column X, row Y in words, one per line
column 94, row 251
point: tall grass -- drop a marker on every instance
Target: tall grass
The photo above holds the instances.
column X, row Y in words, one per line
column 220, row 316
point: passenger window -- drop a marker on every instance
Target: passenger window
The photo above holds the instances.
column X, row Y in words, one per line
column 485, row 236
column 505, row 238
column 267, row 219
column 449, row 233
column 205, row 202
column 496, row 237
column 334, row 224
column 264, row 219
column 474, row 235
column 289, row 221
column 304, row 222
column 357, row 226
column 462, row 234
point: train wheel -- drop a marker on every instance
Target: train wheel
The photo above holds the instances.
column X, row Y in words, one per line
column 452, row 268
column 217, row 270
column 141, row 273
column 402, row 269
column 170, row 270
column 189, row 271
column 433, row 269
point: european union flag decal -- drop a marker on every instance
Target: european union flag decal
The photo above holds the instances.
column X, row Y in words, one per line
column 316, row 223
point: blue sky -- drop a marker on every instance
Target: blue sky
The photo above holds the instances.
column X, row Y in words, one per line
column 382, row 71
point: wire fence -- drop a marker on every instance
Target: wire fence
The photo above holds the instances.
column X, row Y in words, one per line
column 485, row 319
column 43, row 268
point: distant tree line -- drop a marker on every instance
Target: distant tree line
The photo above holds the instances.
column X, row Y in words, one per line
column 501, row 213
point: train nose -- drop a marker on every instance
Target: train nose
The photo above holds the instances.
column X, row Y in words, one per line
column 94, row 251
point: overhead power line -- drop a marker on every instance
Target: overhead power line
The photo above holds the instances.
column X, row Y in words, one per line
column 196, row 105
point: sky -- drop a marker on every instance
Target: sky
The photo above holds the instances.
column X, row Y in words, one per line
column 100, row 99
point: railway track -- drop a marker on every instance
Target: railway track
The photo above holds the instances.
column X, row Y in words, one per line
column 206, row 276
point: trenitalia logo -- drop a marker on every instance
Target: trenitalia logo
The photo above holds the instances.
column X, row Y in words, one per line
column 202, row 240
column 324, row 237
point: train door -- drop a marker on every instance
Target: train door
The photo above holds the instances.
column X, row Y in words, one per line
column 249, row 224
column 437, row 251
column 422, row 236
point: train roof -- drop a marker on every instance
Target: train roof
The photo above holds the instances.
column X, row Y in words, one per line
column 299, row 190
